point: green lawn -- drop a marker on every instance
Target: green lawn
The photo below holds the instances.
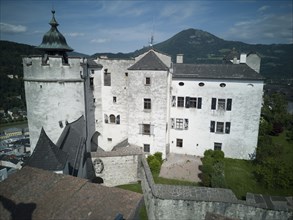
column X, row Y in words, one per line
column 239, row 173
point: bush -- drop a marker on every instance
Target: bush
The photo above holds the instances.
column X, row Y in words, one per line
column 218, row 155
column 150, row 158
column 218, row 176
column 158, row 156
column 208, row 153
column 155, row 165
column 155, row 161
column 213, row 169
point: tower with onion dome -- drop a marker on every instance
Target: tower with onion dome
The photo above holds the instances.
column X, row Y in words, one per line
column 55, row 86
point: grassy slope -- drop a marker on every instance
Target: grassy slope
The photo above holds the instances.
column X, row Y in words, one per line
column 240, row 178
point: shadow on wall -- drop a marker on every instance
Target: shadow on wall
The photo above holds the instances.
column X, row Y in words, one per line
column 18, row 211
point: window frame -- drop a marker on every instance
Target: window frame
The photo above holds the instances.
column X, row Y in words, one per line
column 146, row 129
column 179, row 124
column 147, row 104
column 179, row 142
column 218, row 146
column 147, row 81
column 180, row 101
column 146, row 148
column 221, row 105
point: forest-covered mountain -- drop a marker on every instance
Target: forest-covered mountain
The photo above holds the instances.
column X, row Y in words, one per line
column 196, row 45
column 202, row 47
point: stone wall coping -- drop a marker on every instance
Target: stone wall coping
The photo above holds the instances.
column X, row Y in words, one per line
column 130, row 150
column 200, row 194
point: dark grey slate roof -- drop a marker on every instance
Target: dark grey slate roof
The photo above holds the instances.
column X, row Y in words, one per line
column 47, row 155
column 215, row 71
column 72, row 141
column 149, row 62
column 92, row 64
column 34, row 194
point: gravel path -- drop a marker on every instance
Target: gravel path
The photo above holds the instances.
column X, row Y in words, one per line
column 182, row 167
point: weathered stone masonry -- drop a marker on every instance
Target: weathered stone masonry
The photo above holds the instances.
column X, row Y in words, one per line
column 187, row 202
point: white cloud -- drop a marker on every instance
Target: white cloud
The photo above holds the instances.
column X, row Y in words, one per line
column 99, row 40
column 12, row 29
column 263, row 8
column 266, row 29
column 177, row 11
column 74, row 34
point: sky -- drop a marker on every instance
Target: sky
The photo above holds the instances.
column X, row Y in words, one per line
column 98, row 26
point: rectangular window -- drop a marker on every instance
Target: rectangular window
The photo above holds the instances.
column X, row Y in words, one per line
column 220, row 127
column 199, row 101
column 186, row 124
column 147, row 81
column 221, row 104
column 227, row 127
column 146, row 129
column 212, row 126
column 229, row 104
column 192, row 102
column 214, row 102
column 147, row 104
column 173, row 101
column 109, row 139
column 92, row 82
column 180, row 102
column 146, row 148
column 172, row 123
column 114, row 99
column 179, row 123
column 179, row 142
column 187, row 102
column 217, row 146
column 107, row 78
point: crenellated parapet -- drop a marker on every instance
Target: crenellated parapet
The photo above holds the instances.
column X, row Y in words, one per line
column 53, row 68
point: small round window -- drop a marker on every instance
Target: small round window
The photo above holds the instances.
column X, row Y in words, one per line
column 223, row 85
column 201, row 84
column 181, row 84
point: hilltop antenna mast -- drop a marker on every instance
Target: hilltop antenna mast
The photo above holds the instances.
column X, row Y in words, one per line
column 151, row 42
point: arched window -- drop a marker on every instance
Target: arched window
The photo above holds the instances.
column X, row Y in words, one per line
column 112, row 119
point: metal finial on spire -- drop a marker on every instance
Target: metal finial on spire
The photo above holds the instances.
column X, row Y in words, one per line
column 53, row 21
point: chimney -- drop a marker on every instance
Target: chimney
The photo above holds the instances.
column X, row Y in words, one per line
column 243, row 58
column 179, row 58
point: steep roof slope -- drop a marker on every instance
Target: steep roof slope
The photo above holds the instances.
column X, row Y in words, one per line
column 47, row 155
column 149, row 62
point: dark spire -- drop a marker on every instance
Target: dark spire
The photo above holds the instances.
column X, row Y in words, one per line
column 53, row 41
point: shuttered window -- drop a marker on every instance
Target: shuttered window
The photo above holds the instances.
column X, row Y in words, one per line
column 199, row 101
column 229, row 104
column 212, row 126
column 146, row 129
column 227, row 127
column 214, row 102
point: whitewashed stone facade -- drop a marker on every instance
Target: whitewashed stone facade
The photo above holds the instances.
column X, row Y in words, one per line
column 138, row 99
column 238, row 138
column 54, row 95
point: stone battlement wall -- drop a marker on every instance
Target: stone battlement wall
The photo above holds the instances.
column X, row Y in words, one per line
column 187, row 202
column 52, row 68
